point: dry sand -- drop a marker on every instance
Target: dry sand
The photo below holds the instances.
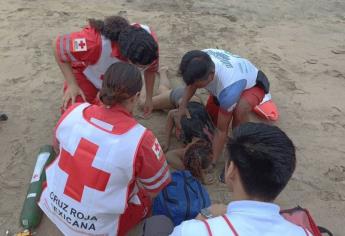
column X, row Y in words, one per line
column 300, row 45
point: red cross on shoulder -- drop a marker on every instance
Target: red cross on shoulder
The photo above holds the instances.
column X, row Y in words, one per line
column 156, row 148
column 79, row 45
column 80, row 171
column 82, row 44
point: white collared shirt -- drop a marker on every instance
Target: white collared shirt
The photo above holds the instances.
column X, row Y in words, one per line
column 247, row 218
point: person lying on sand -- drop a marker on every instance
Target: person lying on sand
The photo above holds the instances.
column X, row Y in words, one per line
column 196, row 123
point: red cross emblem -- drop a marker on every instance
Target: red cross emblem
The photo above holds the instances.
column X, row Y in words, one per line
column 79, row 45
column 156, row 148
column 82, row 44
column 80, row 171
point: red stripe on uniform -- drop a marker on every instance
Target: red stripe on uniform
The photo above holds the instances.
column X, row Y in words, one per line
column 230, row 225
column 160, row 182
column 207, row 227
column 64, row 46
column 58, row 49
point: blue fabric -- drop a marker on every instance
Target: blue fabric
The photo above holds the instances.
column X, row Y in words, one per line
column 182, row 199
column 231, row 94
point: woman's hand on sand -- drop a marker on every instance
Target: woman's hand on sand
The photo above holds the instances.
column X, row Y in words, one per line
column 72, row 91
column 147, row 108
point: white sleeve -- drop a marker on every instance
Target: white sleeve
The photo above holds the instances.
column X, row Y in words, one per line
column 177, row 231
column 188, row 228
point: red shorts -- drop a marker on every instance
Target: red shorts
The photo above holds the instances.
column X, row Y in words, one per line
column 90, row 91
column 134, row 214
column 252, row 96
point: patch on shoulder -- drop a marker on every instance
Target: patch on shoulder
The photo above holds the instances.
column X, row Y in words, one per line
column 156, row 148
column 79, row 45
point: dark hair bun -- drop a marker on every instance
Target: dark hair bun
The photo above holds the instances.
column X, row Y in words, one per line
column 111, row 27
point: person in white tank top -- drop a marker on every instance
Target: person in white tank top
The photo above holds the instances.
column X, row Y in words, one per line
column 235, row 86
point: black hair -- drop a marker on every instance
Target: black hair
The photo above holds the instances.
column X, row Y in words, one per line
column 111, row 27
column 135, row 43
column 199, row 125
column 121, row 81
column 265, row 157
column 138, row 45
column 195, row 65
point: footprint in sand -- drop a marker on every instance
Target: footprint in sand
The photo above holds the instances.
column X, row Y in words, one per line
column 274, row 56
column 16, row 80
column 57, row 13
column 290, row 85
column 338, row 51
column 230, row 17
column 17, row 149
column 336, row 173
column 331, row 196
column 335, row 73
column 327, row 126
column 311, row 61
column 22, row 9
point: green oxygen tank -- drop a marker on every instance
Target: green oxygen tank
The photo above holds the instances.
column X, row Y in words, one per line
column 31, row 213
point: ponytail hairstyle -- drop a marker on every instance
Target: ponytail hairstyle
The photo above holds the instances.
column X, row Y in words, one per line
column 121, row 81
column 111, row 27
column 197, row 158
column 135, row 43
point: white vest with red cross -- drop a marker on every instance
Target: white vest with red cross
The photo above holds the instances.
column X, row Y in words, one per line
column 95, row 72
column 87, row 185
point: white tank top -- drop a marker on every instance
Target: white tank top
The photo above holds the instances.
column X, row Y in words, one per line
column 230, row 68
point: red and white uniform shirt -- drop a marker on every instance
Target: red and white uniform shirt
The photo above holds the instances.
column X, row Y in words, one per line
column 91, row 54
column 105, row 157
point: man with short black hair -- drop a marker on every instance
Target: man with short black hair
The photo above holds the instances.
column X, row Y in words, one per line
column 261, row 161
column 235, row 85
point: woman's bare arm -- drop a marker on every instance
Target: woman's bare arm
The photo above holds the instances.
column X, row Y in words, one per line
column 168, row 129
column 73, row 90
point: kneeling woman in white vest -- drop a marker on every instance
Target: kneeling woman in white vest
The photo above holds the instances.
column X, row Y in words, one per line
column 109, row 166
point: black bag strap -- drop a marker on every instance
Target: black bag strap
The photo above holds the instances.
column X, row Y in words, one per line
column 323, row 230
column 262, row 81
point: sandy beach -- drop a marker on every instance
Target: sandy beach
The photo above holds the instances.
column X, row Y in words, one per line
column 300, row 45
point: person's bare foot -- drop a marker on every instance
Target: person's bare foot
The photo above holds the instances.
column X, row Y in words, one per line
column 164, row 83
column 163, row 70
